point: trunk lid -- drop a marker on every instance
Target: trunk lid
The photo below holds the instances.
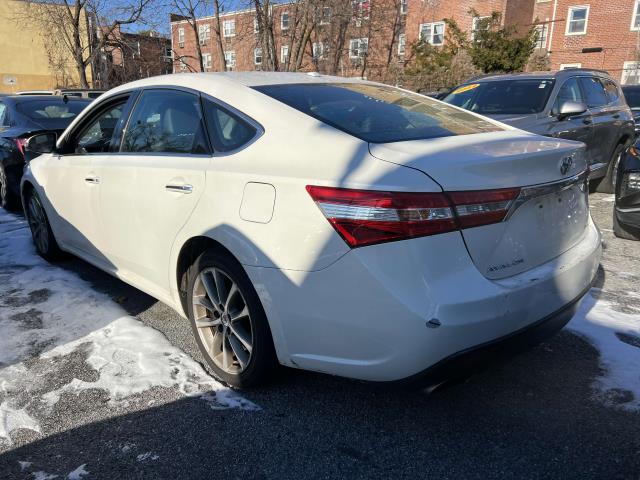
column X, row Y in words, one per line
column 548, row 218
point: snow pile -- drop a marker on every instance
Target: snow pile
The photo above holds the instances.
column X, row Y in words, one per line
column 617, row 337
column 50, row 318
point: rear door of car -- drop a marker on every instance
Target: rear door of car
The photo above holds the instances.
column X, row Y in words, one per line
column 576, row 127
column 605, row 118
column 152, row 184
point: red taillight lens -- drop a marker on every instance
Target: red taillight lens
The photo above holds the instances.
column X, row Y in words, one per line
column 365, row 217
column 20, row 143
column 482, row 207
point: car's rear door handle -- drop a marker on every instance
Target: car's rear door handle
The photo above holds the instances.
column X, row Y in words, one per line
column 179, row 188
column 586, row 121
column 92, row 180
column 617, row 115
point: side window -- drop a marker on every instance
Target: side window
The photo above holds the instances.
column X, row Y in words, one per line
column 612, row 90
column 97, row 135
column 226, row 130
column 569, row 92
column 3, row 115
column 594, row 93
column 166, row 121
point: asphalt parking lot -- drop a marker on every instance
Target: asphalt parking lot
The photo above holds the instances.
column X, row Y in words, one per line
column 78, row 400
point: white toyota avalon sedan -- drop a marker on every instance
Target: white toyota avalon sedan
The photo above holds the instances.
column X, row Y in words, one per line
column 324, row 223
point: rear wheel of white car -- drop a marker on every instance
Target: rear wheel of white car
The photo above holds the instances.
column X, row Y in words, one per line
column 228, row 321
column 43, row 238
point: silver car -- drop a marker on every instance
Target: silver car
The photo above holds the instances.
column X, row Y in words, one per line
column 576, row 104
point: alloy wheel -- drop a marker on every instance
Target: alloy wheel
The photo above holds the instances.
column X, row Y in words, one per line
column 38, row 224
column 223, row 321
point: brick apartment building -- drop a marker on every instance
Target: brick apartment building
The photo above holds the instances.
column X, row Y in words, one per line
column 359, row 38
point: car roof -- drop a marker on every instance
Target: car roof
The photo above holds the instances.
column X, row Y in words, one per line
column 560, row 74
column 27, row 98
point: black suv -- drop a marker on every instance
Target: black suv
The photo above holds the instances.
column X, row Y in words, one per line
column 576, row 104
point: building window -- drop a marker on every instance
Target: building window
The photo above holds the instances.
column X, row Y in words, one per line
column 206, row 61
column 181, row 37
column 229, row 28
column 361, row 10
column 319, row 50
column 432, row 33
column 631, row 73
column 284, row 53
column 404, row 6
column 635, row 20
column 230, row 59
column 541, row 42
column 284, row 21
column 257, row 56
column 565, row 66
column 325, row 16
column 358, row 47
column 477, row 25
column 577, row 20
column 256, row 25
column 204, row 32
column 402, row 42
column 183, row 65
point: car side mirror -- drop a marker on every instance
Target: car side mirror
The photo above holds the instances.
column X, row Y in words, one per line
column 569, row 109
column 42, row 143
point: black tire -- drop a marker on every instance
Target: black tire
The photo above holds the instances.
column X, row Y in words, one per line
column 8, row 199
column 607, row 183
column 262, row 362
column 43, row 239
column 622, row 231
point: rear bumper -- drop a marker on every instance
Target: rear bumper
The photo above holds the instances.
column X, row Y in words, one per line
column 394, row 311
column 475, row 359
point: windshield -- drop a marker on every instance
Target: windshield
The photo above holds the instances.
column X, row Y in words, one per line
column 503, row 97
column 633, row 97
column 52, row 111
column 378, row 113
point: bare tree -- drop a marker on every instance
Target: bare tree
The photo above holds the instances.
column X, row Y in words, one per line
column 82, row 27
column 190, row 10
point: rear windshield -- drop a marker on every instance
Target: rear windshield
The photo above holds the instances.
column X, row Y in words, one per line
column 633, row 96
column 378, row 113
column 503, row 97
column 51, row 111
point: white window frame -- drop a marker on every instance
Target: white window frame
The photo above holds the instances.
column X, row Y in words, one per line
column 282, row 25
column 635, row 17
column 474, row 26
column 570, row 19
column 361, row 53
column 183, row 65
column 318, row 50
column 432, row 35
column 230, row 58
column 564, row 66
column 206, row 61
column 229, row 28
column 181, row 37
column 284, row 53
column 204, row 31
column 256, row 25
column 325, row 20
column 404, row 7
column 256, row 55
column 633, row 66
column 402, row 44
column 541, row 43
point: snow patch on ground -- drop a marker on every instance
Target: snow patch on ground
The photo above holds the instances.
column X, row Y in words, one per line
column 78, row 473
column 617, row 337
column 50, row 318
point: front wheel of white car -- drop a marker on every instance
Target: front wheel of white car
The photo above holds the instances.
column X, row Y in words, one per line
column 43, row 238
column 228, row 321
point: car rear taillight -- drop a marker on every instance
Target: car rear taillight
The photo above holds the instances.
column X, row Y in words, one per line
column 20, row 143
column 482, row 207
column 367, row 217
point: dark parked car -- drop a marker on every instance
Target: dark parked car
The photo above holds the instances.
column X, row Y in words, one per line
column 626, row 214
column 20, row 118
column 632, row 94
column 576, row 104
